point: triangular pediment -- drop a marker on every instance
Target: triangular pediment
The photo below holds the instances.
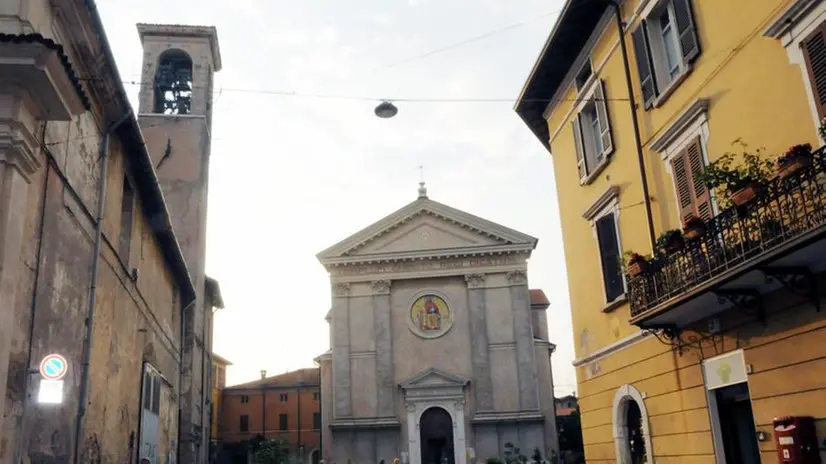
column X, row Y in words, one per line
column 433, row 377
column 424, row 226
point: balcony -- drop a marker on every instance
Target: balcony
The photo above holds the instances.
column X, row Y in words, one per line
column 775, row 240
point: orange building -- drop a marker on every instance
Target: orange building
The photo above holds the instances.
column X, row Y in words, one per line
column 286, row 406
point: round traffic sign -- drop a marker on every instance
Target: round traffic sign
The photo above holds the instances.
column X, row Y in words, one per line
column 53, row 367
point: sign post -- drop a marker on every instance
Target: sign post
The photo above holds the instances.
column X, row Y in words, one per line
column 53, row 368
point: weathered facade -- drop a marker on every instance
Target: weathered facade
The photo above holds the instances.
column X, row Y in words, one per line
column 436, row 350
column 86, row 238
column 691, row 356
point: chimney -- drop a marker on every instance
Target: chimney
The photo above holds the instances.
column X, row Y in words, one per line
column 263, row 373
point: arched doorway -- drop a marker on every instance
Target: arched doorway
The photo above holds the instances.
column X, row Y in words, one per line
column 631, row 435
column 314, row 457
column 436, row 436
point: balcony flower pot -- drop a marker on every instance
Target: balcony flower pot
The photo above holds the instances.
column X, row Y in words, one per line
column 636, row 268
column 693, row 229
column 635, row 264
column 796, row 158
column 670, row 242
column 745, row 194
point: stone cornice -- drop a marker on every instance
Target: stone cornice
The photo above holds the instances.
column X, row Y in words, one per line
column 365, row 422
column 429, row 268
column 485, row 417
column 444, row 253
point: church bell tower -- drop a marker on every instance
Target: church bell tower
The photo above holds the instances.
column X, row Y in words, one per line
column 175, row 115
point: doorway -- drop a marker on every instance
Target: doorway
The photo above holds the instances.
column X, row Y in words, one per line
column 737, row 424
column 436, row 437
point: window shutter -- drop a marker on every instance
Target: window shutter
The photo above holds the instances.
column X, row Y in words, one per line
column 649, row 89
column 610, row 255
column 689, row 43
column 580, row 154
column 693, row 197
column 702, row 196
column 814, row 49
column 683, row 184
column 604, row 123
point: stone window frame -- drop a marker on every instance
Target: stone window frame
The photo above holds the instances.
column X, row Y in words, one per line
column 622, row 397
column 791, row 27
column 690, row 125
column 607, row 203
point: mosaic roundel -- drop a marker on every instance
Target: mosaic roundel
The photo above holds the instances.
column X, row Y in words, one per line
column 430, row 316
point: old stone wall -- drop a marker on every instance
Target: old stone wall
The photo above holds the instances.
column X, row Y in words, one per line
column 134, row 321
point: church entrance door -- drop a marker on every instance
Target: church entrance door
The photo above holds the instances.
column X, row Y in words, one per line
column 436, row 428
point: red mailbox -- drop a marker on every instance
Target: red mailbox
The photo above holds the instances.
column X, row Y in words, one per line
column 796, row 440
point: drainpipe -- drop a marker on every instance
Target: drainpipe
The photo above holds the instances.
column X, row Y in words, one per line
column 633, row 104
column 181, row 432
column 90, row 311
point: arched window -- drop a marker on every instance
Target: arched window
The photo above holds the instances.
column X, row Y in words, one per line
column 631, row 435
column 173, row 83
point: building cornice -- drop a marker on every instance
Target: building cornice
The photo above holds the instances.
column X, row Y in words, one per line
column 612, row 348
column 789, row 17
column 428, row 255
column 680, row 124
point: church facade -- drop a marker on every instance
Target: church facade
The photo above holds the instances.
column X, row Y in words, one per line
column 437, row 353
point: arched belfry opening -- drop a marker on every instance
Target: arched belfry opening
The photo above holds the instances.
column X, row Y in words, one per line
column 173, row 83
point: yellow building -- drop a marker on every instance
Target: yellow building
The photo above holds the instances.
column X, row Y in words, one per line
column 692, row 360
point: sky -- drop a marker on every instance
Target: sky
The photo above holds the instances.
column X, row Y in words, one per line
column 291, row 175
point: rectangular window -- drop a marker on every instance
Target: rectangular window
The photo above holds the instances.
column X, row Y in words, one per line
column 693, row 197
column 592, row 132
column 245, row 423
column 316, row 396
column 283, row 398
column 665, row 45
column 583, row 75
column 156, row 395
column 147, row 391
column 245, row 399
column 282, row 421
column 127, row 207
column 316, row 420
column 610, row 256
column 814, row 51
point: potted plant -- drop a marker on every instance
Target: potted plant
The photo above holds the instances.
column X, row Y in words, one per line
column 635, row 264
column 693, row 228
column 822, row 129
column 795, row 159
column 740, row 183
column 670, row 242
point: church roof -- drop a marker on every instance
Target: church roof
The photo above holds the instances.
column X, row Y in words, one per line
column 480, row 235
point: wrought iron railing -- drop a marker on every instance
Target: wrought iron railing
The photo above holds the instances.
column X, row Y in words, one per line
column 786, row 209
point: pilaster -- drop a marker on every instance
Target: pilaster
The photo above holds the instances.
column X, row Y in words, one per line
column 523, row 334
column 17, row 164
column 483, row 387
column 342, row 401
column 386, row 387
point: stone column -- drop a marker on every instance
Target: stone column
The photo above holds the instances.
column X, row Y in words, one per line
column 342, row 404
column 386, row 387
column 523, row 334
column 459, row 440
column 18, row 162
column 483, row 385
